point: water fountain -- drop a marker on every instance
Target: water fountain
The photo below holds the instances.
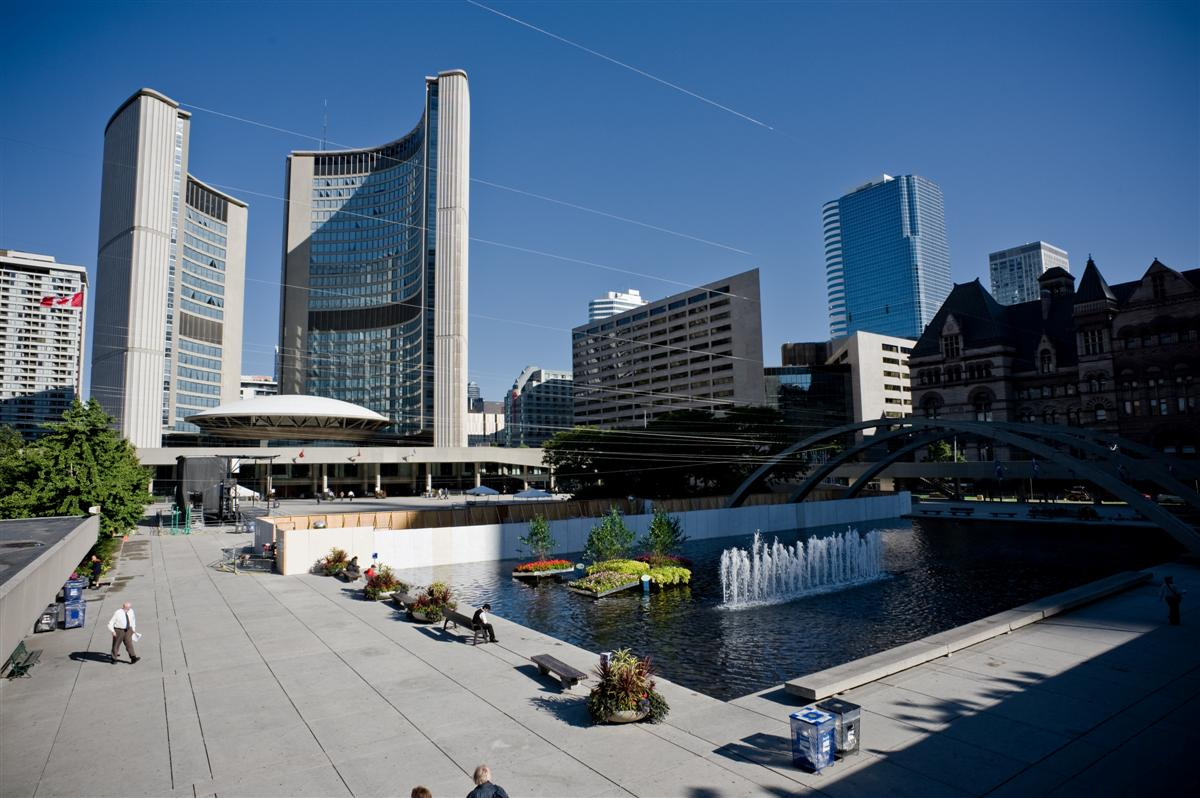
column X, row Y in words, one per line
column 775, row 573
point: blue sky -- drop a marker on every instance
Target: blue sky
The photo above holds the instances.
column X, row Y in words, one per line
column 1075, row 123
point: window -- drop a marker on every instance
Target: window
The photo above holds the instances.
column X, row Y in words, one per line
column 1101, row 414
column 951, row 345
column 983, row 407
column 1046, row 361
column 1093, row 342
column 931, row 406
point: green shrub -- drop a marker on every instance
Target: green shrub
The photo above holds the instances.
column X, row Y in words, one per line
column 435, row 602
column 610, row 539
column 625, row 683
column 539, row 541
column 334, row 562
column 667, row 575
column 620, row 566
column 665, row 535
column 384, row 581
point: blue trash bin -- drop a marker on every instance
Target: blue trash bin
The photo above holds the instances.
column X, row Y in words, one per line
column 74, row 614
column 813, row 742
column 73, row 590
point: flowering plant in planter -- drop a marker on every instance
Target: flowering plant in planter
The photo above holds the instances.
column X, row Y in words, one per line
column 602, row 581
column 382, row 581
column 433, row 604
column 334, row 562
column 626, row 685
column 543, row 565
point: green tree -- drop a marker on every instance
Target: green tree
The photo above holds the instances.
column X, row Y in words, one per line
column 665, row 535
column 78, row 463
column 539, row 541
column 941, row 452
column 610, row 539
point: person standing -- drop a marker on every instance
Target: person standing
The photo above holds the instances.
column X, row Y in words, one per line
column 1173, row 596
column 483, row 785
column 480, row 619
column 123, row 625
column 97, row 566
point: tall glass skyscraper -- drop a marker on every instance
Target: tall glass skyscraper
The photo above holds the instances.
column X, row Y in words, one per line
column 887, row 263
column 170, row 271
column 374, row 295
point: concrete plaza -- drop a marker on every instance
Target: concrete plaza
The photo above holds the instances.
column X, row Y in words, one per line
column 257, row 684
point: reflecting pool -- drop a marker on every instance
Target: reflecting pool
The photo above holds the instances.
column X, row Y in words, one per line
column 939, row 577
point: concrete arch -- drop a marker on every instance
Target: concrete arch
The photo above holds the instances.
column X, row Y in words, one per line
column 1034, row 439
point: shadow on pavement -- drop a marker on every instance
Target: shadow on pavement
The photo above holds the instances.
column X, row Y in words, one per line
column 90, row 656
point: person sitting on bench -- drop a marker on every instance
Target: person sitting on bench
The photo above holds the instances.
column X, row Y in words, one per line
column 352, row 570
column 480, row 619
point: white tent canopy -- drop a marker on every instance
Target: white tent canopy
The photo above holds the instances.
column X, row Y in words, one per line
column 482, row 490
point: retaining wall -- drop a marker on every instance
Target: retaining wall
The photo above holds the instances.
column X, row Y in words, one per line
column 299, row 548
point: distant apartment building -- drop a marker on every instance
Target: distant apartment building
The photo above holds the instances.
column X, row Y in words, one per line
column 698, row 349
column 880, row 385
column 485, row 424
column 374, row 296
column 539, row 404
column 887, row 262
column 170, row 274
column 614, row 302
column 253, row 386
column 1015, row 271
column 474, row 398
column 43, row 322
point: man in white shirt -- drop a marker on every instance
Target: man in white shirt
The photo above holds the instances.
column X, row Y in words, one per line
column 123, row 624
column 481, row 620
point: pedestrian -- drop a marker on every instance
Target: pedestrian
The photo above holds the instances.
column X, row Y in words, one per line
column 123, row 625
column 350, row 495
column 97, row 566
column 421, row 792
column 480, row 619
column 483, row 785
column 318, row 497
column 1173, row 596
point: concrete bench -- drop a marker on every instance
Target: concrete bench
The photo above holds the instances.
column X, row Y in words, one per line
column 998, row 514
column 21, row 660
column 962, row 511
column 566, row 674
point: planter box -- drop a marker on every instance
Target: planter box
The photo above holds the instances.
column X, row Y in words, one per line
column 627, row 716
column 590, row 594
column 542, row 574
column 384, row 596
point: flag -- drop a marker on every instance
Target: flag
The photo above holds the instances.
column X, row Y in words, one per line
column 77, row 299
column 48, row 301
column 301, row 452
column 74, row 300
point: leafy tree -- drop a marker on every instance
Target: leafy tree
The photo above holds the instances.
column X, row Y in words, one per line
column 610, row 539
column 539, row 541
column 941, row 452
column 78, row 463
column 665, row 535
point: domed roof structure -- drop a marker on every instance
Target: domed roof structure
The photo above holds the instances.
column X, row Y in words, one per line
column 292, row 417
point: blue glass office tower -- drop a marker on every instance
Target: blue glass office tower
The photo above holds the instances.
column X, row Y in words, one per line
column 887, row 263
column 374, row 294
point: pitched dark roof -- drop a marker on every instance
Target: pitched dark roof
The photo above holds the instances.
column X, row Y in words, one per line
column 979, row 317
column 1092, row 286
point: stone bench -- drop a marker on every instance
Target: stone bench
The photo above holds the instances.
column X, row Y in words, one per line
column 566, row 674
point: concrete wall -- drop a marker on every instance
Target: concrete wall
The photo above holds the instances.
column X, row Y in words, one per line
column 299, row 549
column 26, row 593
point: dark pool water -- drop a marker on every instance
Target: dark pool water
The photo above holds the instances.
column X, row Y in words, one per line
column 941, row 576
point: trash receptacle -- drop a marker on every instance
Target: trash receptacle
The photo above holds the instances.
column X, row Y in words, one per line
column 48, row 620
column 848, row 717
column 74, row 614
column 73, row 590
column 813, row 739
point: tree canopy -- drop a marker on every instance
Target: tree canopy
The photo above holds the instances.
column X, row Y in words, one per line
column 682, row 453
column 78, row 463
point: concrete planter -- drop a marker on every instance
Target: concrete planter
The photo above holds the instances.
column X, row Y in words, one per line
column 627, row 716
column 590, row 594
column 536, row 575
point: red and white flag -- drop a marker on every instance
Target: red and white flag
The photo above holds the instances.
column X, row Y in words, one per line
column 73, row 301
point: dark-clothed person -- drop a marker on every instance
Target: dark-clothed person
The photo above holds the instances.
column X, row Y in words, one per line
column 483, row 784
column 1173, row 596
column 480, row 619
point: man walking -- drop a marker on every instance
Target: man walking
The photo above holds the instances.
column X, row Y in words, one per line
column 1173, row 596
column 123, row 625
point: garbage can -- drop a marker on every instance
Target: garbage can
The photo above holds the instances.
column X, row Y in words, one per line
column 848, row 718
column 73, row 590
column 74, row 614
column 813, row 739
column 48, row 620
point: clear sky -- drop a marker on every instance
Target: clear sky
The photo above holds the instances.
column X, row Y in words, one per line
column 1075, row 123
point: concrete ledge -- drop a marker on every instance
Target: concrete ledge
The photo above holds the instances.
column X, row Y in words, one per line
column 838, row 679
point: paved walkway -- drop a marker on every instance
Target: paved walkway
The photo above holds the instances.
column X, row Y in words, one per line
column 256, row 684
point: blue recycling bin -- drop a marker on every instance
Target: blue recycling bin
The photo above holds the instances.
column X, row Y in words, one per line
column 813, row 743
column 74, row 614
column 73, row 590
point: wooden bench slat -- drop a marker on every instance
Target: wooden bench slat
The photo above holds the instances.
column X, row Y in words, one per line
column 566, row 674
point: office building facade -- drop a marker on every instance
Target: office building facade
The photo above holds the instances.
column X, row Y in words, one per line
column 887, row 261
column 539, row 404
column 698, row 349
column 812, row 397
column 614, row 302
column 374, row 294
column 170, row 274
column 257, row 385
column 1015, row 271
column 43, row 324
column 880, row 386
